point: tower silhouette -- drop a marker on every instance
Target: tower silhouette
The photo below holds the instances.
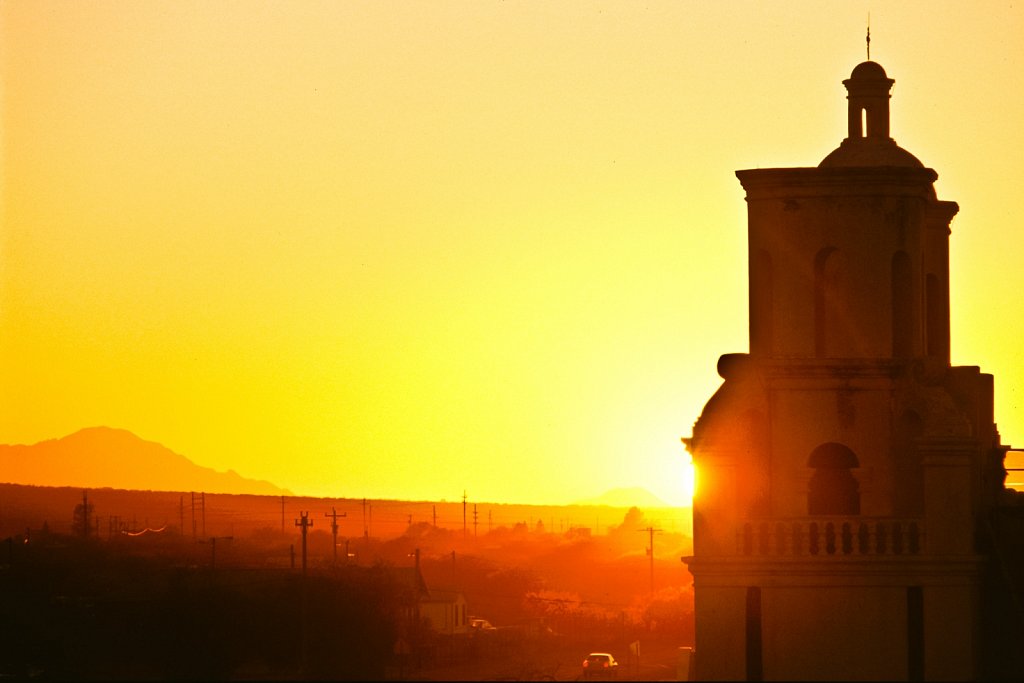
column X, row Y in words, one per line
column 845, row 466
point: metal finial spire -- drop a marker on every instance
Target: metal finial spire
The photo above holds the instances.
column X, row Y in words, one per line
column 869, row 36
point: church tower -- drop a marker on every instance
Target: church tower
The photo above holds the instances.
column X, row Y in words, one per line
column 844, row 466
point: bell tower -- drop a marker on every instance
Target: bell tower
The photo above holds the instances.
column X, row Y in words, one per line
column 868, row 88
column 844, row 465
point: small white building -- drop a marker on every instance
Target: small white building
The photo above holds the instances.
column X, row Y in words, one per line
column 445, row 611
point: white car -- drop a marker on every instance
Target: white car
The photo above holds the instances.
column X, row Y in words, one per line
column 598, row 665
column 481, row 625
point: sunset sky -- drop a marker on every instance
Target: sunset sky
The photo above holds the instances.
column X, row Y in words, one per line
column 407, row 249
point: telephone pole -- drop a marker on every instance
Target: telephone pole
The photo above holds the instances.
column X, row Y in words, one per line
column 213, row 548
column 366, row 528
column 474, row 520
column 650, row 551
column 463, row 513
column 85, row 514
column 305, row 522
column 334, row 529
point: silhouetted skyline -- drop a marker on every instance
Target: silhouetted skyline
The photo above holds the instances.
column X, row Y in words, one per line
column 402, row 251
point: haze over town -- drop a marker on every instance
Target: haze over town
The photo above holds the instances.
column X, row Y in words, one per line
column 357, row 250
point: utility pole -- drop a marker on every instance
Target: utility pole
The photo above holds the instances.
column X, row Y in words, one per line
column 366, row 528
column 334, row 530
column 305, row 522
column 650, row 551
column 213, row 548
column 85, row 514
column 474, row 520
column 463, row 513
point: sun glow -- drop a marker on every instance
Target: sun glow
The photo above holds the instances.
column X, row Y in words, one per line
column 367, row 251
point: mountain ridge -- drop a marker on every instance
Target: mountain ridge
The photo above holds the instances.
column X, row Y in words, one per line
column 634, row 496
column 97, row 457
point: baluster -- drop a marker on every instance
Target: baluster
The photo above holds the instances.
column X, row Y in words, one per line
column 880, row 538
column 830, row 538
column 812, row 541
column 863, row 539
column 897, row 538
column 847, row 539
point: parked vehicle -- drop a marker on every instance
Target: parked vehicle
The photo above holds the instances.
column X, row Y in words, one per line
column 479, row 625
column 599, row 665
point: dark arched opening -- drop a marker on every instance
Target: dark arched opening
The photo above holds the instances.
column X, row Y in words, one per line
column 833, row 490
column 825, row 285
column 902, row 306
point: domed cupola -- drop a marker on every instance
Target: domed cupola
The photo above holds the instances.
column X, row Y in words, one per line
column 868, row 142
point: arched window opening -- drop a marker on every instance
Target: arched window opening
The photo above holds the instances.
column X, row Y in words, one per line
column 833, row 490
column 863, row 122
column 902, row 306
column 827, row 274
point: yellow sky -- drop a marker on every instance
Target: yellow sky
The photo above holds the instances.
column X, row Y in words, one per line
column 409, row 249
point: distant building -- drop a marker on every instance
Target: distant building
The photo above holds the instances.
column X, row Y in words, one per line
column 848, row 474
column 442, row 610
column 445, row 611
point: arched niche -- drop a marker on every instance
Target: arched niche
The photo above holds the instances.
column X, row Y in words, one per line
column 832, row 489
column 829, row 284
column 902, row 306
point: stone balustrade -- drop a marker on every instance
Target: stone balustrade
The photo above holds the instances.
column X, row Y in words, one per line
column 831, row 537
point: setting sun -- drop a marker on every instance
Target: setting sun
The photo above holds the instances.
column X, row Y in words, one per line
column 405, row 251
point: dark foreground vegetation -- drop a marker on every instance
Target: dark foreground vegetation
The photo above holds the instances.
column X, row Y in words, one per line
column 125, row 602
column 80, row 609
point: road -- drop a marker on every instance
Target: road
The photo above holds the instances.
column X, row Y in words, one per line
column 658, row 661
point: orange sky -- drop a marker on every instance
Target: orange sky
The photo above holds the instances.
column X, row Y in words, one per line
column 410, row 249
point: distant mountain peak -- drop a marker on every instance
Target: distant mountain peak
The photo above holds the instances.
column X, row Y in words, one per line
column 635, row 496
column 97, row 457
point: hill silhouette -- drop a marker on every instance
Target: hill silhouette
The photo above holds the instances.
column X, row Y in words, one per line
column 627, row 497
column 98, row 457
